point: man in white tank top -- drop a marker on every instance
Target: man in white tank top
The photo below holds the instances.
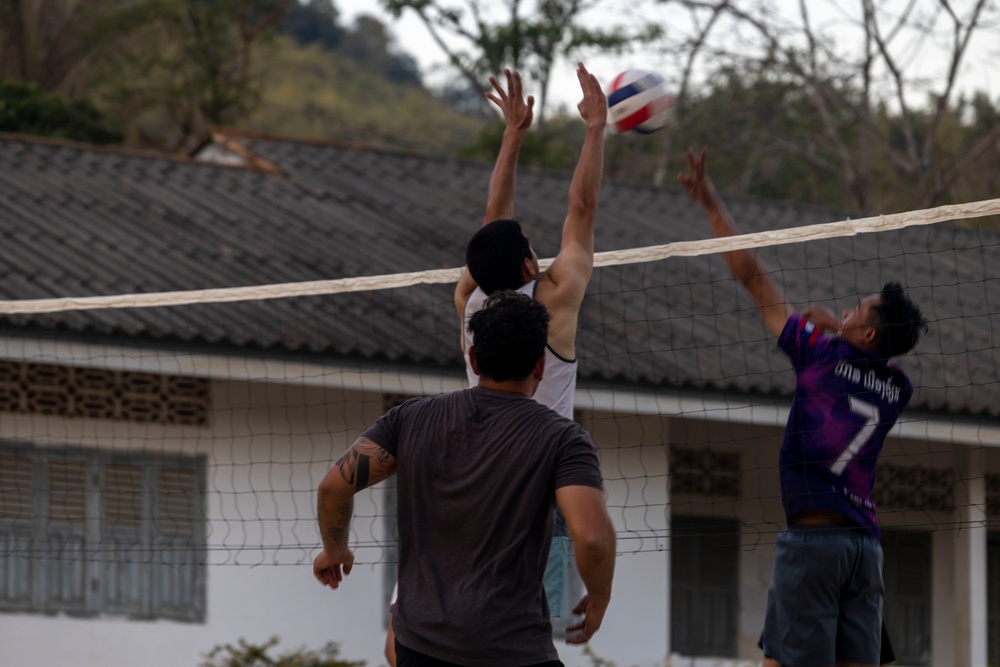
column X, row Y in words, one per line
column 499, row 256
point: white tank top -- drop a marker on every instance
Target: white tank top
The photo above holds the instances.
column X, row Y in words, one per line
column 558, row 384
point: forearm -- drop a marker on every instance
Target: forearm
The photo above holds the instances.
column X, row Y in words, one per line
column 335, row 511
column 503, row 181
column 585, row 187
column 743, row 263
column 747, row 269
column 595, row 561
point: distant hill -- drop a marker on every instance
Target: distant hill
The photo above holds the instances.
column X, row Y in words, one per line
column 312, row 92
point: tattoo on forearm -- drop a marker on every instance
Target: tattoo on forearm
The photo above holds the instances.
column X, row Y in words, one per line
column 339, row 531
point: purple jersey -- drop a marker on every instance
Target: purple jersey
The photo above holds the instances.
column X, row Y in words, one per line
column 846, row 401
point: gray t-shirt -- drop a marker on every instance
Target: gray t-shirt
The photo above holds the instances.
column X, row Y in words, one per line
column 476, row 475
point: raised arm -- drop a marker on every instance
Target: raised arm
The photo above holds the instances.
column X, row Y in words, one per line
column 594, row 541
column 572, row 268
column 517, row 115
column 743, row 263
column 364, row 464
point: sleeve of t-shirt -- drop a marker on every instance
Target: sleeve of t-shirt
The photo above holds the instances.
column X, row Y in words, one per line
column 802, row 341
column 385, row 431
column 578, row 464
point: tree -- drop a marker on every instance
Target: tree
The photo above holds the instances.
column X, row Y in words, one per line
column 171, row 67
column 369, row 43
column 26, row 109
column 528, row 36
column 875, row 116
column 177, row 67
column 315, row 21
column 45, row 41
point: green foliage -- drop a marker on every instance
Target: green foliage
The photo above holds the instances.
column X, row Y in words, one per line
column 311, row 93
column 173, row 68
column 257, row 655
column 555, row 147
column 312, row 22
column 24, row 108
column 367, row 42
column 480, row 39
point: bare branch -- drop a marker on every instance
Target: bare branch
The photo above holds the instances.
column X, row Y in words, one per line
column 960, row 44
column 900, row 88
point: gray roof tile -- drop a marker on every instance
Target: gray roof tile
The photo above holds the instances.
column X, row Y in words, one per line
column 78, row 220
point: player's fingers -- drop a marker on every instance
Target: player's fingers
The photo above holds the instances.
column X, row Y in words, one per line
column 501, row 93
column 511, row 76
column 349, row 564
column 326, row 578
column 531, row 102
column 493, row 98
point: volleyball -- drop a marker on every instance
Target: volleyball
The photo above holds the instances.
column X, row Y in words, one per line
column 638, row 101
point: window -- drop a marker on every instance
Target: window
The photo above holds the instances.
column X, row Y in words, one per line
column 704, row 560
column 86, row 532
column 907, row 608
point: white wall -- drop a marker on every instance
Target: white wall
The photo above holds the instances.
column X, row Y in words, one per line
column 268, row 446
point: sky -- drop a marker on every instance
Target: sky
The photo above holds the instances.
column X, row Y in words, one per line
column 926, row 56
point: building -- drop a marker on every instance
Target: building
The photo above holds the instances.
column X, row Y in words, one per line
column 158, row 465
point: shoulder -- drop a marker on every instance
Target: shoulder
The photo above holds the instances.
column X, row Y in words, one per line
column 803, row 337
column 419, row 405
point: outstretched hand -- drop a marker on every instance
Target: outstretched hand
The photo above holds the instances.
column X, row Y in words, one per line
column 517, row 112
column 588, row 625
column 699, row 186
column 594, row 105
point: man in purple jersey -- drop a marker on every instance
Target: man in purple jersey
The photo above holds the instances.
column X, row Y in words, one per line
column 824, row 606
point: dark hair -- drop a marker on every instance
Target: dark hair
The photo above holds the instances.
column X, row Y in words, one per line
column 509, row 335
column 495, row 254
column 900, row 322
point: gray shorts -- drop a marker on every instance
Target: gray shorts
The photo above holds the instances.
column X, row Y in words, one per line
column 825, row 600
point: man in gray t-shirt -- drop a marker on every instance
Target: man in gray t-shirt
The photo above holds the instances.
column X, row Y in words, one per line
column 478, row 473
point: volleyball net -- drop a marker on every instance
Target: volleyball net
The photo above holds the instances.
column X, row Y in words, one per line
column 190, row 428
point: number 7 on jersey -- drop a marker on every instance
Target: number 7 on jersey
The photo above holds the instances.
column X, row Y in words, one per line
column 870, row 413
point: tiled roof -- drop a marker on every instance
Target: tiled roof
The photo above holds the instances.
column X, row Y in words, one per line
column 77, row 221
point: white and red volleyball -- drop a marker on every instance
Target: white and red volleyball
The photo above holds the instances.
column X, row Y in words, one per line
column 638, row 101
